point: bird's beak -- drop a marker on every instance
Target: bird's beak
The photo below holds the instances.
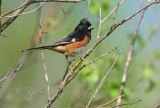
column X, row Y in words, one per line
column 90, row 28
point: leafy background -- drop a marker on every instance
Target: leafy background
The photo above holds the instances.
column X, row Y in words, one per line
column 28, row 90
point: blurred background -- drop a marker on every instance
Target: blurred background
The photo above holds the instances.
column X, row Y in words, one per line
column 28, row 88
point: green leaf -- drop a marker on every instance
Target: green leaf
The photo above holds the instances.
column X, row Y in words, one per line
column 114, row 93
column 93, row 77
column 147, row 72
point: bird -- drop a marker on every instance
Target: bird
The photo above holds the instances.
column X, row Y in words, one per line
column 72, row 44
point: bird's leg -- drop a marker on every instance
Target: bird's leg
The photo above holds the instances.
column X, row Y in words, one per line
column 68, row 67
column 81, row 58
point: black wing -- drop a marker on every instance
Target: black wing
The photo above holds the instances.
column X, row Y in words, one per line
column 73, row 37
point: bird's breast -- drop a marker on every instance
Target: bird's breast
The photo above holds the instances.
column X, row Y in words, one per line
column 72, row 49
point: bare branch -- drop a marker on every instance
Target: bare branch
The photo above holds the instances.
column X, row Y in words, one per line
column 125, row 104
column 40, row 16
column 9, row 77
column 94, row 95
column 10, row 20
column 0, row 10
column 102, row 20
column 66, row 1
column 24, row 6
column 100, row 23
column 25, row 12
column 89, row 2
column 129, row 57
column 0, row 15
column 114, row 9
column 111, row 100
column 96, row 59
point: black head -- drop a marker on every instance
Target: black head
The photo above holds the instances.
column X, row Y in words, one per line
column 84, row 25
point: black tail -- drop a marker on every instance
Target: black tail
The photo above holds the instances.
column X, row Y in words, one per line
column 39, row 48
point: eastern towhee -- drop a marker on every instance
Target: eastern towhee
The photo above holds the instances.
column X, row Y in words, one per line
column 74, row 43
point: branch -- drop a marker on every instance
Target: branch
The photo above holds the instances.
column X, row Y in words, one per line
column 129, row 57
column 0, row 10
column 10, row 20
column 40, row 17
column 102, row 106
column 24, row 6
column 96, row 59
column 0, row 15
column 67, row 1
column 88, row 7
column 9, row 77
column 125, row 104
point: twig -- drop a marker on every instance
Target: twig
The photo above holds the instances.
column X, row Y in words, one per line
column 25, row 12
column 112, row 100
column 9, row 74
column 11, row 11
column 129, row 57
column 36, row 1
column 66, row 1
column 87, row 12
column 10, row 20
column 40, row 16
column 46, row 76
column 24, row 6
column 85, row 65
column 0, row 15
column 0, row 10
column 94, row 95
column 113, row 27
column 100, row 23
column 114, row 9
column 125, row 104
column 102, row 20
column 9, row 77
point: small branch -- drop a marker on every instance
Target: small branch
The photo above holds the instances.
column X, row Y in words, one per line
column 125, row 104
column 40, row 16
column 46, row 76
column 0, row 10
column 9, row 77
column 66, row 1
column 100, row 23
column 94, row 95
column 24, row 6
column 96, row 59
column 25, row 12
column 114, row 9
column 10, row 20
column 102, row 106
column 129, row 57
column 0, row 15
column 102, row 20
column 89, row 2
column 18, row 67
